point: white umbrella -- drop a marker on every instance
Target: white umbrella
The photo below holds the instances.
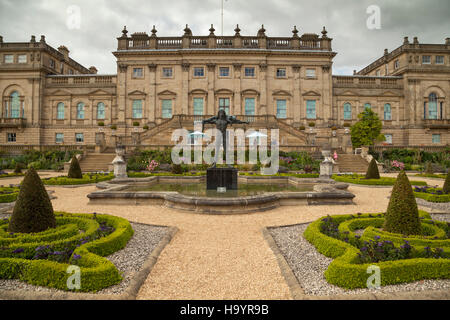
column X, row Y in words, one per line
column 256, row 134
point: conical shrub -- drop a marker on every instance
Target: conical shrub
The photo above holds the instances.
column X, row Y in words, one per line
column 429, row 168
column 446, row 187
column 33, row 211
column 18, row 168
column 402, row 215
column 372, row 170
column 75, row 169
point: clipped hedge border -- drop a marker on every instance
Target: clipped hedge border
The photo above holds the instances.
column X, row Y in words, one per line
column 383, row 181
column 431, row 175
column 9, row 197
column 134, row 174
column 432, row 197
column 344, row 271
column 64, row 180
column 96, row 272
column 11, row 175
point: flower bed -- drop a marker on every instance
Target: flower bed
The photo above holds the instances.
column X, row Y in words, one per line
column 431, row 194
column 360, row 179
column 79, row 239
column 87, row 178
column 400, row 259
column 8, row 194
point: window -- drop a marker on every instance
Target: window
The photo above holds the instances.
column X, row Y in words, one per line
column 15, row 105
column 396, row 64
column 387, row 112
column 198, row 106
column 310, row 73
column 249, row 72
column 281, row 109
column 224, row 72
column 368, row 106
column 439, row 59
column 60, row 111
column 9, row 58
column 167, row 72
column 100, row 110
column 80, row 111
column 249, row 106
column 11, row 137
column 166, row 107
column 432, row 106
column 137, row 109
column 61, row 68
column 426, row 59
column 79, row 137
column 347, row 111
column 436, row 138
column 138, row 72
column 52, row 63
column 22, row 58
column 224, row 103
column 281, row 73
column 378, row 73
column 310, row 109
column 199, row 72
column 59, row 138
column 388, row 138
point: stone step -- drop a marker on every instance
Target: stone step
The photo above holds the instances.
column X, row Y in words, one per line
column 96, row 162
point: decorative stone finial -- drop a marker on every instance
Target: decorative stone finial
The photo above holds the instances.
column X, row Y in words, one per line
column 187, row 31
column 1, row 39
column 416, row 41
column 261, row 32
column 447, row 41
column 386, row 51
column 405, row 40
column 154, row 31
column 33, row 39
column 324, row 33
column 354, row 72
column 211, row 30
column 295, row 32
column 43, row 38
column 124, row 31
column 237, row 31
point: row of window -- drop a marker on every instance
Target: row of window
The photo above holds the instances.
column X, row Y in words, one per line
column 426, row 59
column 224, row 72
column 9, row 58
column 348, row 110
column 59, row 137
column 61, row 109
column 435, row 138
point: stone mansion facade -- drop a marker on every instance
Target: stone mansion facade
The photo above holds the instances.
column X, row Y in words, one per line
column 163, row 83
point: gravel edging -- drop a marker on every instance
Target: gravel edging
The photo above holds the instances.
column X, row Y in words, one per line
column 303, row 266
column 127, row 289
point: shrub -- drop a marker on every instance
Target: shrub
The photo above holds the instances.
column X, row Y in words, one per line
column 372, row 170
column 145, row 127
column 75, row 169
column 87, row 178
column 136, row 124
column 101, row 123
column 33, row 211
column 177, row 169
column 334, row 128
column 428, row 168
column 402, row 215
column 113, row 127
column 312, row 124
column 360, row 179
column 19, row 167
column 301, row 128
column 347, row 125
column 446, row 187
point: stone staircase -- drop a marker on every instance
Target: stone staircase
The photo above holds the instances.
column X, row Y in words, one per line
column 352, row 163
column 96, row 162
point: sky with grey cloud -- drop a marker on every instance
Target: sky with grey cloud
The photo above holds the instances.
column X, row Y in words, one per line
column 101, row 22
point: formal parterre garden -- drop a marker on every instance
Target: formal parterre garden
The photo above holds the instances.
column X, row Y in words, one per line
column 407, row 245
column 434, row 194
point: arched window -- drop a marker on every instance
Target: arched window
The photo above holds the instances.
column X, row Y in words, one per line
column 100, row 110
column 80, row 110
column 15, row 105
column 432, row 106
column 387, row 112
column 347, row 111
column 60, row 111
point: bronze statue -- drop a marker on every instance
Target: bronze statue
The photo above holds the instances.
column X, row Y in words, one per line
column 221, row 121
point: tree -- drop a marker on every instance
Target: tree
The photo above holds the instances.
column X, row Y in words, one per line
column 446, row 187
column 33, row 211
column 402, row 215
column 75, row 170
column 372, row 170
column 367, row 130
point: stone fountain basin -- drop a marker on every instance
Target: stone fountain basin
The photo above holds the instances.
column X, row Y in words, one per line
column 325, row 192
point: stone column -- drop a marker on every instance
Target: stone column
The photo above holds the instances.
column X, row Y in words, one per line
column 122, row 93
column 263, row 90
column 151, row 105
column 185, row 88
column 211, row 86
column 296, row 101
column 237, row 89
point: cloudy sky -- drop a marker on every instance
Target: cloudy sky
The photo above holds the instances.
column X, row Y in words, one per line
column 92, row 40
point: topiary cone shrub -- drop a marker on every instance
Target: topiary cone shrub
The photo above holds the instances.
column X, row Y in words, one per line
column 429, row 168
column 33, row 211
column 18, row 168
column 75, row 170
column 402, row 215
column 372, row 170
column 446, row 187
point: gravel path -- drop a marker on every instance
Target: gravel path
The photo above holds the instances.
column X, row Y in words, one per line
column 309, row 266
column 128, row 261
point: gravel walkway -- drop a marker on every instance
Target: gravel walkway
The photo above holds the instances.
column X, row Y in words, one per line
column 309, row 266
column 128, row 261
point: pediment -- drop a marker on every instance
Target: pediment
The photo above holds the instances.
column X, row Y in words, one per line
column 281, row 93
column 167, row 93
column 389, row 93
column 348, row 93
column 198, row 91
column 311, row 93
column 61, row 92
column 250, row 91
column 137, row 93
column 223, row 91
column 99, row 92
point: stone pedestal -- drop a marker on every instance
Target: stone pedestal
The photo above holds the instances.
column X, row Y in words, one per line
column 221, row 177
column 326, row 169
column 120, row 165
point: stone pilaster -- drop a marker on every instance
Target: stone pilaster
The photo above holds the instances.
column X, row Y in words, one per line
column 185, row 88
column 211, row 86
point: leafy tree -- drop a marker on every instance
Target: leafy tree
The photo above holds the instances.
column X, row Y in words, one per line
column 33, row 211
column 367, row 130
column 402, row 215
column 75, row 169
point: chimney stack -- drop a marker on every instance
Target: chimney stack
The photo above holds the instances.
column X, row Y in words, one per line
column 64, row 51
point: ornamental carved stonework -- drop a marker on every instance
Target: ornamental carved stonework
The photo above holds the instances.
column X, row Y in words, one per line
column 211, row 66
column 152, row 67
column 263, row 67
column 122, row 67
column 237, row 66
column 296, row 68
column 326, row 68
column 185, row 66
